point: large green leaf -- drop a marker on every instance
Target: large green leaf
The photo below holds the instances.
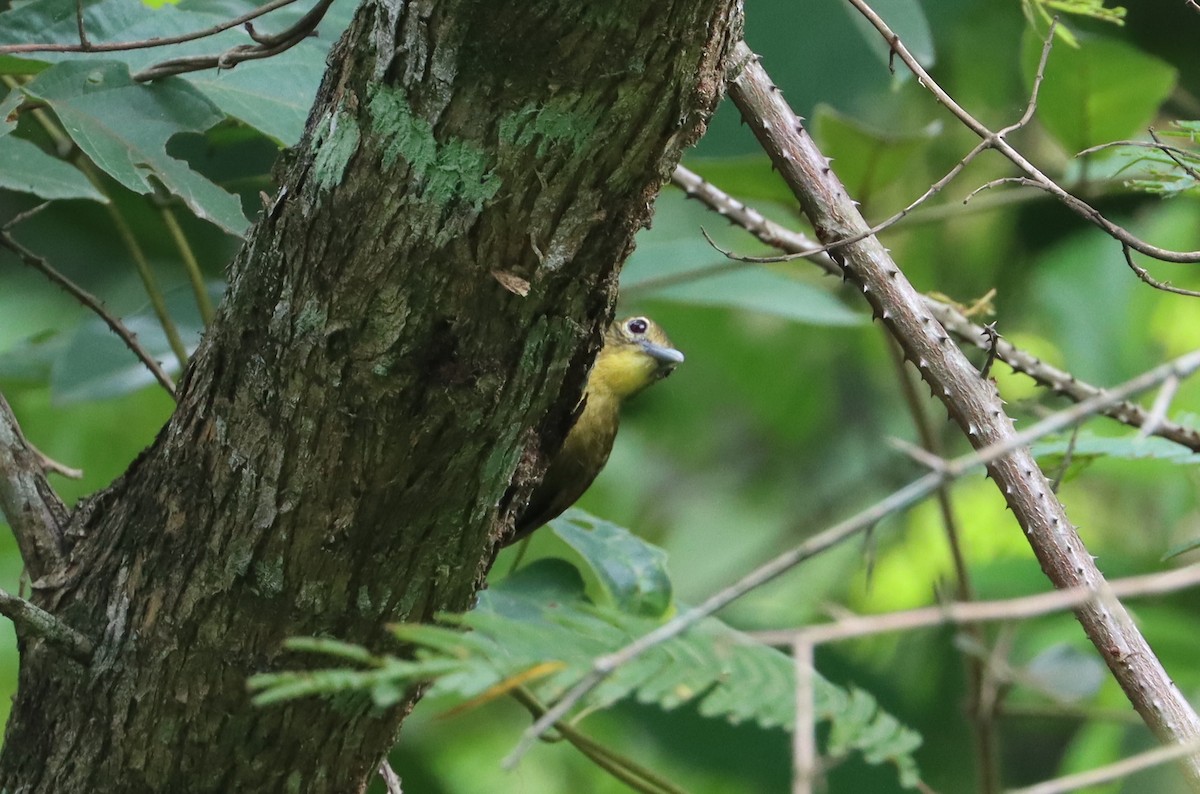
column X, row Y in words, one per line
column 272, row 95
column 632, row 573
column 1103, row 91
column 756, row 289
column 27, row 169
column 124, row 127
column 865, row 159
column 95, row 364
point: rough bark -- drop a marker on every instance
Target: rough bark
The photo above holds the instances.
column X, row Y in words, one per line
column 376, row 398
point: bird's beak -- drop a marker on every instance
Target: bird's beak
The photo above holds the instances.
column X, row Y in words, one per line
column 667, row 357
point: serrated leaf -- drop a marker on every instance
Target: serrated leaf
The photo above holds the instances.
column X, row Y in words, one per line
column 632, row 572
column 27, row 169
column 539, row 620
column 124, row 127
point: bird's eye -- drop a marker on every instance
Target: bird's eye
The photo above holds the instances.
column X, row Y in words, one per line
column 637, row 326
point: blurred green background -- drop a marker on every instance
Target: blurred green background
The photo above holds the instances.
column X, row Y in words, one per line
column 777, row 424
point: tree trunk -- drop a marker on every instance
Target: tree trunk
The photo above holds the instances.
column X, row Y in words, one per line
column 406, row 332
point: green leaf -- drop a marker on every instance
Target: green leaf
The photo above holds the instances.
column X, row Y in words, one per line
column 27, row 169
column 272, row 95
column 865, row 159
column 124, row 127
column 8, row 107
column 1103, row 91
column 757, row 289
column 97, row 365
column 632, row 572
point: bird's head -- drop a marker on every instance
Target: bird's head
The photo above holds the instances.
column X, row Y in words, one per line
column 636, row 353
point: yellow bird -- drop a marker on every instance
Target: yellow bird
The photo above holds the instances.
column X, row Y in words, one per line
column 636, row 354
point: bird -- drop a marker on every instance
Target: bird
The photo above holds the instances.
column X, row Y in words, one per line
column 636, row 354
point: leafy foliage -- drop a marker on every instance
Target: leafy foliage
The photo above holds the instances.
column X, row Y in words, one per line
column 539, row 628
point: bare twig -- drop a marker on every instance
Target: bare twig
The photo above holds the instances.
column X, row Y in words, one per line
column 83, row 37
column 1111, row 772
column 391, row 781
column 34, row 511
column 804, row 735
column 996, row 141
column 141, row 44
column 629, row 772
column 849, row 626
column 195, row 277
column 34, row 622
column 897, row 501
column 1145, row 276
column 93, row 304
column 264, row 46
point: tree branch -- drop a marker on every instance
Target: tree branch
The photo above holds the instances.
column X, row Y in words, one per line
column 264, row 47
column 34, row 511
column 33, row 621
column 92, row 303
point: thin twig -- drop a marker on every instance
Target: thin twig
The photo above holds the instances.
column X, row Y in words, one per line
column 849, row 626
column 1106, row 774
column 391, row 781
column 93, row 304
column 805, row 767
column 264, row 46
column 32, row 621
column 195, row 277
column 622, row 768
column 1144, row 274
column 83, row 37
column 145, row 272
column 142, row 44
column 1036, row 176
column 899, row 500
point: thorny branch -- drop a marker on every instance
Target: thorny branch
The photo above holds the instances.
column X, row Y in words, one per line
column 972, row 402
column 953, row 320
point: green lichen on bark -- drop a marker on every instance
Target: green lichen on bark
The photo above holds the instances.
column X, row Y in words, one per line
column 335, row 142
column 561, row 120
column 447, row 172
